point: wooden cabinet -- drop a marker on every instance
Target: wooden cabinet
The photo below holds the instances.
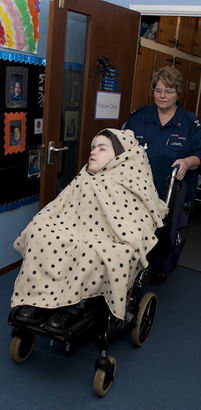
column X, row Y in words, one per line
column 166, row 33
column 143, row 74
column 148, row 61
column 185, row 54
column 199, row 111
column 189, row 35
column 163, row 59
column 182, row 66
column 191, row 73
column 184, row 33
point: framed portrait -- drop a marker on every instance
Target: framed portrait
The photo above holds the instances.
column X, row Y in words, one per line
column 71, row 123
column 33, row 164
column 15, row 132
column 16, row 87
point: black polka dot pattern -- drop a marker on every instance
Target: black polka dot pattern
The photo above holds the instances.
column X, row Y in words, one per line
column 94, row 237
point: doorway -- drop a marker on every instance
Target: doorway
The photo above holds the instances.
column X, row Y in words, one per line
column 72, row 87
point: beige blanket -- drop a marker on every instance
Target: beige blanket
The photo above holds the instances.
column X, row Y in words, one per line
column 94, row 237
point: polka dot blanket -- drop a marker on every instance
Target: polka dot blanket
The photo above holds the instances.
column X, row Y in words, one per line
column 94, row 237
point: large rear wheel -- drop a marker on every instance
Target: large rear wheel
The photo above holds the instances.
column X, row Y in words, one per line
column 145, row 319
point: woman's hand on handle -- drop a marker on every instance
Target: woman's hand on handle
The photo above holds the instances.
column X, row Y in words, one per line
column 191, row 162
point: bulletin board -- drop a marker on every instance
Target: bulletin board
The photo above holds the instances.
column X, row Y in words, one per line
column 21, row 127
column 19, row 24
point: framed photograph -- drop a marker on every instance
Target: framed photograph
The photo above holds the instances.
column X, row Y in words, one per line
column 33, row 163
column 15, row 132
column 16, row 87
column 71, row 123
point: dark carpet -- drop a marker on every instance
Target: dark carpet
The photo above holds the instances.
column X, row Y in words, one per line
column 164, row 374
column 191, row 253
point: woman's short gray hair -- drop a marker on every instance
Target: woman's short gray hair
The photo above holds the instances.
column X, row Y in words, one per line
column 170, row 77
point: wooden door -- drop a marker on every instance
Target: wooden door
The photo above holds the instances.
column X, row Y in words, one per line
column 192, row 89
column 161, row 60
column 166, row 32
column 191, row 74
column 182, row 66
column 196, row 38
column 199, row 110
column 186, row 34
column 112, row 31
column 144, row 70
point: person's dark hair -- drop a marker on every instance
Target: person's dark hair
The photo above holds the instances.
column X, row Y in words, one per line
column 118, row 149
column 170, row 77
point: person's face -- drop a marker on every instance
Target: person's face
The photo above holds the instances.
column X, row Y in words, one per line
column 17, row 88
column 16, row 134
column 101, row 153
column 165, row 97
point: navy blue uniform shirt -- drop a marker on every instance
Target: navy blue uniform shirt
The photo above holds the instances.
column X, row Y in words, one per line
column 179, row 138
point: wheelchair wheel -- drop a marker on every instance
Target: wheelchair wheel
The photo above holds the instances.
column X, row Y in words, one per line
column 145, row 319
column 22, row 348
column 103, row 380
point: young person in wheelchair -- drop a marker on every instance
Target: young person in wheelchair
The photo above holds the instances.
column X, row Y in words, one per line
column 94, row 238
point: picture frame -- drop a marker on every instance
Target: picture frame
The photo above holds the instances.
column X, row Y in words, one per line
column 15, row 132
column 71, row 125
column 33, row 163
column 16, row 87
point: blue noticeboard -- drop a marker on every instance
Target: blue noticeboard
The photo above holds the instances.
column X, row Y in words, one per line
column 110, row 80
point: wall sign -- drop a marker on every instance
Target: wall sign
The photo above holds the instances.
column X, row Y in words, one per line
column 110, row 80
column 107, row 105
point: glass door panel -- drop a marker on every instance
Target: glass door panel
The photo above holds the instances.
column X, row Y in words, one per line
column 72, row 96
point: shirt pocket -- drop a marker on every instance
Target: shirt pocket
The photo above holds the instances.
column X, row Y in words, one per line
column 178, row 145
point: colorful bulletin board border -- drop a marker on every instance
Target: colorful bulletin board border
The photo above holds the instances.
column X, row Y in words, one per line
column 15, row 132
column 22, row 58
column 19, row 24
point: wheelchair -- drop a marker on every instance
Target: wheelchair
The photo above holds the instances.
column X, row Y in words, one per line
column 91, row 319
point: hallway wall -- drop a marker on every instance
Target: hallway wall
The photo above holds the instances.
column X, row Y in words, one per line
column 12, row 222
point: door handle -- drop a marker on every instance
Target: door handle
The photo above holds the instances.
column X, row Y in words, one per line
column 51, row 149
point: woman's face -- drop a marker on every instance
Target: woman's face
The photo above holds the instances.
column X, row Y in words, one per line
column 101, row 153
column 165, row 97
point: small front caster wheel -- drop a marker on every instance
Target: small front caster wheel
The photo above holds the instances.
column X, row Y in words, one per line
column 145, row 319
column 103, row 379
column 22, row 348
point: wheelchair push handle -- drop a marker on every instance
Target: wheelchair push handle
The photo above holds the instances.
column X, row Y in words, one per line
column 172, row 179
